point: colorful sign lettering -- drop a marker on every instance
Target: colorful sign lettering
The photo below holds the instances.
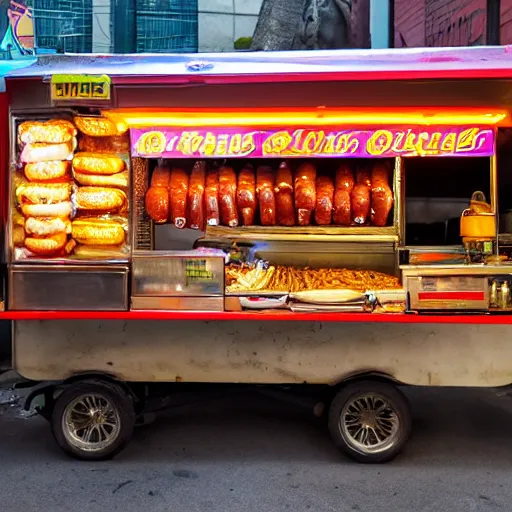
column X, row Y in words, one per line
column 289, row 143
column 80, row 87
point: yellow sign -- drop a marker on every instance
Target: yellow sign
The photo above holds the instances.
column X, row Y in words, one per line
column 80, row 87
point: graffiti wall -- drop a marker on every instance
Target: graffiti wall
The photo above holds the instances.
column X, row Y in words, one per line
column 16, row 27
column 447, row 22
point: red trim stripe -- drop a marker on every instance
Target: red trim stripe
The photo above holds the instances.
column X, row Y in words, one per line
column 451, row 296
column 277, row 315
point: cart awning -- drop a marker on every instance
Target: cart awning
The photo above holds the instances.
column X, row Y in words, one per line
column 328, row 65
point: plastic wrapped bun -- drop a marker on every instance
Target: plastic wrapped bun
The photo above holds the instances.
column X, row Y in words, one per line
column 46, row 171
column 46, row 246
column 97, row 163
column 99, row 126
column 98, row 232
column 43, row 152
column 55, row 131
column 102, row 199
column 97, row 180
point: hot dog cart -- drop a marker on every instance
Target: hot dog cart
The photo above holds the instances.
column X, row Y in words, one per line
column 323, row 218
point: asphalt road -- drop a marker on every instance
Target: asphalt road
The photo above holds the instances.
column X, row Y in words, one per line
column 249, row 453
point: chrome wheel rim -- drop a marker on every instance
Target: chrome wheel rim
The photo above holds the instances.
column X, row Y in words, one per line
column 91, row 422
column 369, row 423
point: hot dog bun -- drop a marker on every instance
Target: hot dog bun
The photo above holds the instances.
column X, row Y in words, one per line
column 114, row 180
column 47, row 226
column 100, row 199
column 99, row 126
column 55, row 131
column 103, row 252
column 43, row 193
column 63, row 210
column 98, row 232
column 97, row 163
column 42, row 152
column 46, row 246
column 45, row 171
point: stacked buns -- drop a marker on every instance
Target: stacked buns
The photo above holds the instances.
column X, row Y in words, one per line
column 45, row 199
column 71, row 202
column 101, row 196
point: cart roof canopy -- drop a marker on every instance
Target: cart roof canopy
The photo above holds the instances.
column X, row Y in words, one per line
column 472, row 77
column 409, row 63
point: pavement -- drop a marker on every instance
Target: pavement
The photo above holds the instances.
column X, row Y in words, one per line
column 246, row 452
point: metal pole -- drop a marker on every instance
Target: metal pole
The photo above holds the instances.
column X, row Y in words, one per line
column 391, row 21
column 493, row 22
column 124, row 26
column 494, row 195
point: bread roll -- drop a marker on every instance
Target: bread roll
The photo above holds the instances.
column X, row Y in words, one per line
column 97, row 180
column 98, row 163
column 55, row 131
column 46, row 171
column 63, row 210
column 46, row 246
column 91, row 252
column 102, row 199
column 99, row 126
column 43, row 193
column 157, row 204
column 92, row 231
column 42, row 152
column 47, row 226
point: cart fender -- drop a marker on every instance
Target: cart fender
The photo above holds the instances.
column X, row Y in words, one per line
column 48, row 389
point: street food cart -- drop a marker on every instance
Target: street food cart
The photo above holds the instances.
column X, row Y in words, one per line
column 323, row 218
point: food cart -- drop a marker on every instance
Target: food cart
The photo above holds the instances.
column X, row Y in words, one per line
column 323, row 218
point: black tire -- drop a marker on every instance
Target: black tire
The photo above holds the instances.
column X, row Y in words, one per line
column 118, row 399
column 399, row 406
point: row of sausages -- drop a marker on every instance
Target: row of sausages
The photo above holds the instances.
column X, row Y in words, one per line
column 217, row 196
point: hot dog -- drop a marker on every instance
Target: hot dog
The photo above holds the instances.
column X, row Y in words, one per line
column 266, row 197
column 196, row 196
column 285, row 208
column 178, row 190
column 246, row 195
column 227, row 196
column 324, row 200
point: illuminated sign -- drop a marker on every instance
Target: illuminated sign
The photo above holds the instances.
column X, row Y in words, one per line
column 80, row 87
column 232, row 142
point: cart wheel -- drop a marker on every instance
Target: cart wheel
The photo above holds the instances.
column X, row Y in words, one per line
column 93, row 420
column 370, row 421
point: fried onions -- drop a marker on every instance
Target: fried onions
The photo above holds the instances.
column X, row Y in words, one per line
column 292, row 279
